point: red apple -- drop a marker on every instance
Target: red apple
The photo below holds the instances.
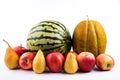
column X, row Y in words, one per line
column 55, row 61
column 26, row 60
column 86, row 61
column 20, row 50
column 104, row 62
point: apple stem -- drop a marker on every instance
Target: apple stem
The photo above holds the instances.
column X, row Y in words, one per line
column 7, row 43
column 21, row 45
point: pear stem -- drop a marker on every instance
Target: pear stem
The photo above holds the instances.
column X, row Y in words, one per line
column 7, row 43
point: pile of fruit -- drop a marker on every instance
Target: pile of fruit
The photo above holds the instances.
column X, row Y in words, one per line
column 49, row 45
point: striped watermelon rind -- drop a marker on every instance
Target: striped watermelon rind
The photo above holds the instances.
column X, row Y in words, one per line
column 49, row 36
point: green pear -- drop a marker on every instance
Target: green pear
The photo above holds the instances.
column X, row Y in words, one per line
column 39, row 63
column 71, row 65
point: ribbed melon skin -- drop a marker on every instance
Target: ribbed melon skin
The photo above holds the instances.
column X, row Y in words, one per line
column 49, row 36
column 90, row 36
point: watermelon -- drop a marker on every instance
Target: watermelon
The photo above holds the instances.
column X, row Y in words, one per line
column 49, row 36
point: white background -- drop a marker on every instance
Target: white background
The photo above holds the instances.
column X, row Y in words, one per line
column 17, row 17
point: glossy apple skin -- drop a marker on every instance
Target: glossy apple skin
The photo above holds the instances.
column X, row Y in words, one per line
column 20, row 50
column 26, row 60
column 105, row 62
column 86, row 61
column 55, row 61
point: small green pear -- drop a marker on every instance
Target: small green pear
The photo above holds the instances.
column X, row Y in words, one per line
column 39, row 63
column 11, row 58
column 71, row 65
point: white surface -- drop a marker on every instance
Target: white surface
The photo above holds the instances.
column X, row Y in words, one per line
column 18, row 16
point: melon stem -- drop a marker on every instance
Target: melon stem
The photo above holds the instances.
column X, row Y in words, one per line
column 87, row 17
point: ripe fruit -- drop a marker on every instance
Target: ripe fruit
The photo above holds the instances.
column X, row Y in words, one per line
column 39, row 63
column 11, row 58
column 71, row 65
column 72, row 53
column 20, row 50
column 104, row 62
column 86, row 61
column 89, row 36
column 26, row 60
column 49, row 36
column 55, row 61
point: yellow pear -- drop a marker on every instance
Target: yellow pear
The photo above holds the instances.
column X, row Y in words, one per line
column 39, row 63
column 71, row 65
column 11, row 58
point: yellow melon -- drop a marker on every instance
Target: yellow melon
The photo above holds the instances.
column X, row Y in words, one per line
column 89, row 35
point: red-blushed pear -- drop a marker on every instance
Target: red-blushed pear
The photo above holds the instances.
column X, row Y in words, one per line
column 20, row 50
column 86, row 61
column 55, row 61
column 105, row 62
column 26, row 60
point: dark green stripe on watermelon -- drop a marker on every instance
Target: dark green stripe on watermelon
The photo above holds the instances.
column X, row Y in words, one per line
column 55, row 32
column 44, row 25
column 57, row 23
column 50, row 24
column 43, row 37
